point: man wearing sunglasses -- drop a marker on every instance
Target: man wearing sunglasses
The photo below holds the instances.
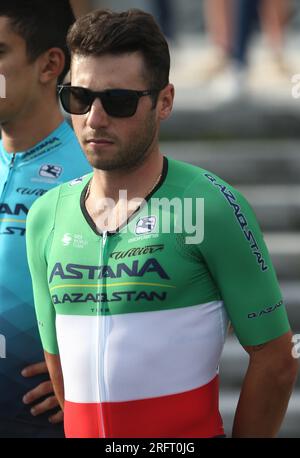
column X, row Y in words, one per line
column 133, row 315
column 38, row 151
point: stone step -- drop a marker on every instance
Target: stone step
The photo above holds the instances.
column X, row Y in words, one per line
column 284, row 249
column 277, row 207
column 249, row 118
column 291, row 297
column 242, row 162
column 289, row 428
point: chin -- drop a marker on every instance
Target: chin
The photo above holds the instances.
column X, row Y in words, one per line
column 103, row 162
column 105, row 166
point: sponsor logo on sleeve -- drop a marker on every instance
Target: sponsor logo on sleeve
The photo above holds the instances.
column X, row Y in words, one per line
column 265, row 311
column 242, row 222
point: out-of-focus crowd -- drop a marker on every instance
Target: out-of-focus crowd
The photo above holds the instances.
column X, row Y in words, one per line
column 221, row 59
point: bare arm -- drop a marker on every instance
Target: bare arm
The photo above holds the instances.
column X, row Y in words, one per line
column 266, row 389
column 55, row 371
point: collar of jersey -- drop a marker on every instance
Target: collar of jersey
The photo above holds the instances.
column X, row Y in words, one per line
column 90, row 221
column 54, row 139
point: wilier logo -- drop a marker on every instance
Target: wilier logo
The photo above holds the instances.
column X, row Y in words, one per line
column 145, row 225
column 50, row 171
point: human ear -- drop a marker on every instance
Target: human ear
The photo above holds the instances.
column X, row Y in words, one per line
column 165, row 102
column 52, row 63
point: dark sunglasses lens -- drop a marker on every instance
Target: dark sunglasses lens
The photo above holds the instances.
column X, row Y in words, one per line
column 120, row 103
column 75, row 100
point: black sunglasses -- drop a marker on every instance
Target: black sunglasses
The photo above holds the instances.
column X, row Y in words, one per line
column 119, row 103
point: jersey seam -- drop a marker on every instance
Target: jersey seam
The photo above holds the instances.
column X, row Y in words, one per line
column 53, row 227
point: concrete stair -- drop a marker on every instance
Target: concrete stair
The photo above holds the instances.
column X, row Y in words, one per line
column 243, row 162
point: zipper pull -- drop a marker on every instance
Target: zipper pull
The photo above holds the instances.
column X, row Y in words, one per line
column 12, row 161
column 104, row 238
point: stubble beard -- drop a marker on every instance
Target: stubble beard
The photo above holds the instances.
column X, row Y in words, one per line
column 131, row 155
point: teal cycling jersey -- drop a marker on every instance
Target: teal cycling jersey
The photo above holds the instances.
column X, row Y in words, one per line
column 24, row 177
column 139, row 316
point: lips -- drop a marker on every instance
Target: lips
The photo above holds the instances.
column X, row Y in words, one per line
column 100, row 141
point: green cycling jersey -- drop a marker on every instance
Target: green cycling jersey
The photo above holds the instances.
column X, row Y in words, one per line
column 144, row 311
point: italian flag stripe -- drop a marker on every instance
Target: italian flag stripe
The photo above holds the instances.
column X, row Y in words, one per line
column 193, row 413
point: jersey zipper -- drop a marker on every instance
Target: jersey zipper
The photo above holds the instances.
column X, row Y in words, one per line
column 11, row 165
column 102, row 341
column 10, row 172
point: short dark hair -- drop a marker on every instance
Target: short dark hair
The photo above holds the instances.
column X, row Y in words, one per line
column 42, row 24
column 107, row 32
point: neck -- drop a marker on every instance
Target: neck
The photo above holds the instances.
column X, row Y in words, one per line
column 137, row 183
column 25, row 132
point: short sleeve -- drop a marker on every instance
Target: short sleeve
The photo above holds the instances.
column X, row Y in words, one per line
column 239, row 262
column 38, row 240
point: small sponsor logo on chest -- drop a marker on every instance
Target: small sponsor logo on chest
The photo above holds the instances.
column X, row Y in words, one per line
column 50, row 171
column 74, row 240
column 145, row 225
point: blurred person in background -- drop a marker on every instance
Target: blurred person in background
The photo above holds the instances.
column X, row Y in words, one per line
column 163, row 11
column 230, row 25
column 38, row 151
column 273, row 16
column 82, row 7
column 219, row 25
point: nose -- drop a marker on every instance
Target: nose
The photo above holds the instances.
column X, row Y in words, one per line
column 97, row 116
